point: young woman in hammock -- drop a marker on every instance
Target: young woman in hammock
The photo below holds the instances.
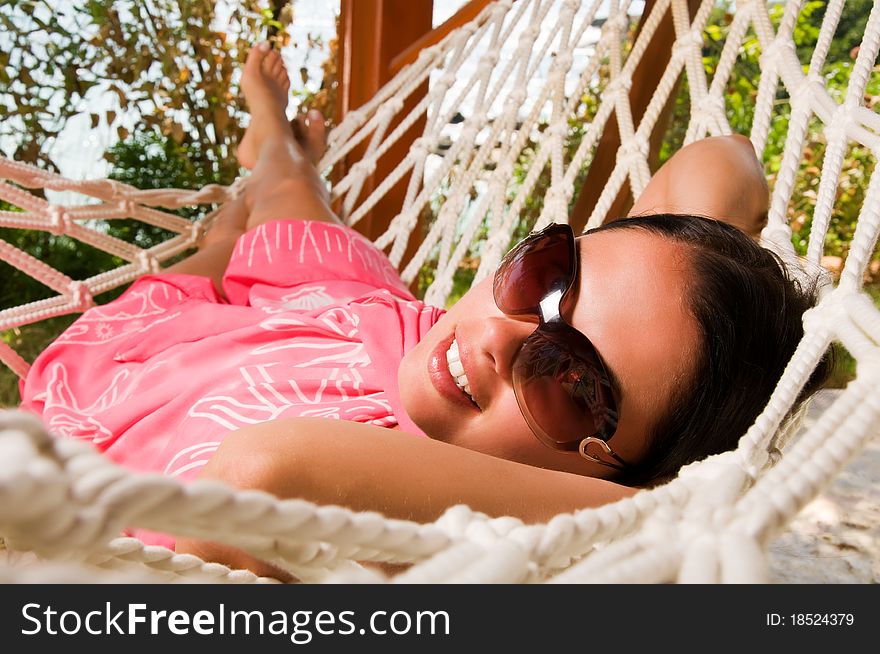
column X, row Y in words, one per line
column 585, row 369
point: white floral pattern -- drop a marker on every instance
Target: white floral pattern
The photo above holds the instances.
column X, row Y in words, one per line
column 315, row 325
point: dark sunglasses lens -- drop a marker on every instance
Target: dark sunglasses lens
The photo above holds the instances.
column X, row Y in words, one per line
column 563, row 391
column 536, row 266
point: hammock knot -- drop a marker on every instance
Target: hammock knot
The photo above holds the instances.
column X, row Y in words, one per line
column 479, row 118
column 840, row 123
column 446, row 80
column 419, row 149
column 819, row 319
column 427, row 54
column 59, row 219
column 563, row 61
column 634, row 150
column 363, row 168
column 516, row 99
column 619, row 23
column 529, row 34
column 804, row 93
column 505, row 169
column 80, row 296
column 148, row 262
column 776, row 233
column 391, row 107
column 618, row 85
column 684, row 45
column 710, row 106
column 501, row 8
column 487, row 62
column 356, row 116
column 776, row 52
column 127, row 207
column 557, row 130
column 469, row 132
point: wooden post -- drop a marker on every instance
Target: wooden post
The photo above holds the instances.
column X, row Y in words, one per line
column 371, row 34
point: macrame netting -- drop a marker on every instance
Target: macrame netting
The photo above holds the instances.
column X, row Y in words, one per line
column 61, row 503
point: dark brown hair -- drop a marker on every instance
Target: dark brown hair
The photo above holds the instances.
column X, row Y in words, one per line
column 749, row 313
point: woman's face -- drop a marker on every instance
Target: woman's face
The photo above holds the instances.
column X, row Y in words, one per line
column 630, row 302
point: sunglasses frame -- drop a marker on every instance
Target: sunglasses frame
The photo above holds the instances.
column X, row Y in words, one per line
column 555, row 329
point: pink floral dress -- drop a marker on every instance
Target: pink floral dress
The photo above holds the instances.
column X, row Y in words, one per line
column 316, row 323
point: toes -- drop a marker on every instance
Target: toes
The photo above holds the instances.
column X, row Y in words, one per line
column 256, row 55
column 311, row 134
column 302, row 132
column 317, row 133
column 272, row 61
column 278, row 71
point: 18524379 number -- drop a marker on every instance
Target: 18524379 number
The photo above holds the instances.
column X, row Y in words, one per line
column 810, row 620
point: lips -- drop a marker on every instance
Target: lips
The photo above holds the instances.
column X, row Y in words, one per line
column 442, row 379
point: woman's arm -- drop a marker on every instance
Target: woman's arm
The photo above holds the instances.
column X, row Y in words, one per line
column 719, row 177
column 368, row 468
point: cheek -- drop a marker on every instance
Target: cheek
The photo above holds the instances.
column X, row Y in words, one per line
column 501, row 432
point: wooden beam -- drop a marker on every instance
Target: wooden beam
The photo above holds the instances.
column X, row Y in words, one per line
column 371, row 34
column 464, row 15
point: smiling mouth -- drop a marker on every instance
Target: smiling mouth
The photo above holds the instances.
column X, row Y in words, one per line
column 456, row 369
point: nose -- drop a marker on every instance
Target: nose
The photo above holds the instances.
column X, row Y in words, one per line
column 499, row 340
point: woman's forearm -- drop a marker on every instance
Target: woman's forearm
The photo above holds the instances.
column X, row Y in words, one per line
column 368, row 468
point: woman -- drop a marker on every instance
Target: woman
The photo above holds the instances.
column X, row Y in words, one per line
column 584, row 368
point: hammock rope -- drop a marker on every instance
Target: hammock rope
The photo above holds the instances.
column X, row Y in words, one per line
column 61, row 500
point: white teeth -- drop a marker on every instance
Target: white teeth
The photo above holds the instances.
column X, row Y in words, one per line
column 457, row 370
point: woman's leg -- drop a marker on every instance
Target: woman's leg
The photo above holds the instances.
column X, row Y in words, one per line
column 216, row 248
column 284, row 182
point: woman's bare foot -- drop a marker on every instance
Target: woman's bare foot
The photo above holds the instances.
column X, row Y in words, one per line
column 310, row 132
column 265, row 85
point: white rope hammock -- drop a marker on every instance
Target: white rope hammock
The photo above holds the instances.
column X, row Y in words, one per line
column 62, row 504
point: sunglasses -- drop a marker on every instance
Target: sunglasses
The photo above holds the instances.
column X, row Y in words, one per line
column 561, row 384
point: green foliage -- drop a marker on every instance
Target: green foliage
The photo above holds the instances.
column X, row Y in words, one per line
column 740, row 96
column 164, row 63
